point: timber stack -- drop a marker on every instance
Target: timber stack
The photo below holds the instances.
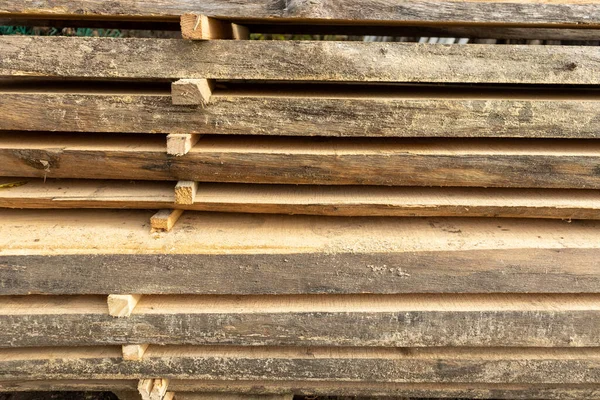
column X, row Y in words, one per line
column 326, row 217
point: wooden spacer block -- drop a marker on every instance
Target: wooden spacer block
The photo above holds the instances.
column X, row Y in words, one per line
column 169, row 396
column 165, row 220
column 122, row 305
column 201, row 27
column 145, row 388
column 134, row 352
column 192, row 92
column 185, row 192
column 179, row 144
column 159, row 389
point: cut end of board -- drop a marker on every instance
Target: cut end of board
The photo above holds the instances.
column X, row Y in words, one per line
column 134, row 352
column 185, row 192
column 201, row 27
column 165, row 220
column 122, row 305
column 179, row 144
column 192, row 92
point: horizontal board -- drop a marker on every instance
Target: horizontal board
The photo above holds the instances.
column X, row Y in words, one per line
column 54, row 252
column 318, row 320
column 399, row 112
column 322, row 388
column 520, row 164
column 75, row 57
column 547, row 12
column 308, row 200
column 402, row 365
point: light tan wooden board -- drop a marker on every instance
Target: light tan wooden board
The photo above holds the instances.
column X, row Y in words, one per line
column 396, row 112
column 317, row 320
column 53, row 252
column 487, row 163
column 547, row 12
column 310, row 200
column 401, row 365
column 76, row 57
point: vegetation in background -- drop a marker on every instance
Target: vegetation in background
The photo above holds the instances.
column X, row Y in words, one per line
column 84, row 32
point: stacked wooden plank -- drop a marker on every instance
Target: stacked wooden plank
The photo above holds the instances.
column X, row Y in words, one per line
column 337, row 218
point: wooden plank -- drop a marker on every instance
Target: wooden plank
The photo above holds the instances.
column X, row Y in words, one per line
column 195, row 92
column 201, row 27
column 134, row 352
column 307, row 200
column 185, row 192
column 547, row 12
column 297, row 60
column 122, row 305
column 400, row 112
column 233, row 396
column 323, row 388
column 431, row 365
column 179, row 144
column 508, row 320
column 517, row 164
column 165, row 220
column 41, row 254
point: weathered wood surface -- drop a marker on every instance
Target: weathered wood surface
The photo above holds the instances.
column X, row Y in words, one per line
column 323, row 320
column 98, row 251
column 520, row 164
column 322, row 388
column 297, row 60
column 561, row 12
column 408, row 365
column 400, row 112
column 293, row 199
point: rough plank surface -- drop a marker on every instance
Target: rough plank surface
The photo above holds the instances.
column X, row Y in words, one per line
column 520, row 164
column 548, row 12
column 400, row 112
column 307, row 199
column 53, row 252
column 404, row 365
column 297, row 60
column 323, row 388
column 317, row 320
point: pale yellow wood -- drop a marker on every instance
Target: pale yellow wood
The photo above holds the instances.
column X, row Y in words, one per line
column 192, row 92
column 122, row 305
column 159, row 389
column 145, row 387
column 165, row 220
column 185, row 192
column 201, row 27
column 134, row 352
column 179, row 144
column 169, row 396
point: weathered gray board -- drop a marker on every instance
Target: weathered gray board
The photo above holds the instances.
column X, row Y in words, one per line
column 479, row 163
column 327, row 320
column 323, row 388
column 103, row 252
column 398, row 113
column 401, row 365
column 562, row 12
column 74, row 57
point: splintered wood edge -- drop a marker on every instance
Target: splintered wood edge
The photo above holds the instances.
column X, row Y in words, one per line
column 201, row 27
column 165, row 220
column 122, row 305
column 179, row 144
column 134, row 352
column 192, row 92
column 185, row 192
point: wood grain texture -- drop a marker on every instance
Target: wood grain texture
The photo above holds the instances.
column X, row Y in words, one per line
column 520, row 164
column 562, row 12
column 297, row 60
column 323, row 388
column 398, row 113
column 318, row 320
column 306, row 254
column 308, row 199
column 443, row 365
